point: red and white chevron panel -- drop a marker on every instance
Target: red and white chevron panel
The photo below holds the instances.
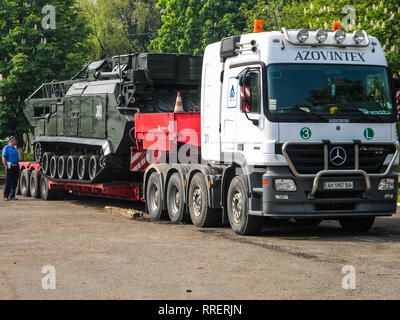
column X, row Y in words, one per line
column 138, row 161
column 398, row 101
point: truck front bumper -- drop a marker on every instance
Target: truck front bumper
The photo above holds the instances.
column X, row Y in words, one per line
column 325, row 204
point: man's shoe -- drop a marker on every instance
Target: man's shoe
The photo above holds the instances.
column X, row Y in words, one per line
column 6, row 199
column 12, row 199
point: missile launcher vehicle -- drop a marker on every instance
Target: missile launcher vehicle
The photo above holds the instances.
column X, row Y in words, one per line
column 84, row 127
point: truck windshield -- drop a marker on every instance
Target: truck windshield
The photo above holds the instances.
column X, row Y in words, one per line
column 329, row 91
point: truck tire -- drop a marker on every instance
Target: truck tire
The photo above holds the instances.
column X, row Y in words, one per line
column 46, row 162
column 24, row 181
column 82, row 168
column 238, row 209
column 175, row 199
column 202, row 216
column 62, row 167
column 357, row 224
column 54, row 166
column 308, row 222
column 45, row 193
column 34, row 184
column 154, row 198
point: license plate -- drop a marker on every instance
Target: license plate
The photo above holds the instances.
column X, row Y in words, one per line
column 338, row 185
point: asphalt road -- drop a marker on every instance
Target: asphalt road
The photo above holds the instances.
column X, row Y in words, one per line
column 96, row 255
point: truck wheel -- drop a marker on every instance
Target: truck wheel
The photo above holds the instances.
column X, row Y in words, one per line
column 93, row 167
column 71, row 167
column 34, row 184
column 175, row 199
column 202, row 216
column 24, row 181
column 308, row 222
column 82, row 168
column 45, row 193
column 46, row 162
column 154, row 198
column 62, row 167
column 54, row 166
column 238, row 211
column 357, row 224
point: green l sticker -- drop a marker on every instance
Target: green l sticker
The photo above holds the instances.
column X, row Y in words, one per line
column 305, row 133
column 369, row 134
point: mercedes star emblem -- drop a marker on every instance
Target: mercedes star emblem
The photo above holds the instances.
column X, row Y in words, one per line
column 338, row 156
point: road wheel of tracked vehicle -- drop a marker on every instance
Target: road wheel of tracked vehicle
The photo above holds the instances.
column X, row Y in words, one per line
column 312, row 222
column 202, row 216
column 82, row 169
column 54, row 166
column 357, row 224
column 24, row 181
column 46, row 162
column 62, row 167
column 72, row 164
column 94, row 166
column 45, row 193
column 242, row 223
column 154, row 198
column 175, row 199
column 34, row 184
column 38, row 152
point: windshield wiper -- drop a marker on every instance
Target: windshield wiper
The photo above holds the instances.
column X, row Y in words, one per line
column 370, row 117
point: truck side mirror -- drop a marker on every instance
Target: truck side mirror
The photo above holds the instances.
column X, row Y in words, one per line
column 245, row 94
column 396, row 82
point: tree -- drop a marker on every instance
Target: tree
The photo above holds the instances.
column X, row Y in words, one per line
column 380, row 19
column 32, row 52
column 121, row 26
column 188, row 26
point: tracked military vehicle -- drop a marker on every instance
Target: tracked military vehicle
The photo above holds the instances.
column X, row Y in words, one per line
column 84, row 127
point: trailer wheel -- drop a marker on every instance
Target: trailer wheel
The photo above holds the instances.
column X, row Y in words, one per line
column 24, row 181
column 54, row 166
column 357, row 224
column 202, row 216
column 46, row 162
column 238, row 211
column 45, row 193
column 175, row 199
column 18, row 189
column 34, row 184
column 154, row 198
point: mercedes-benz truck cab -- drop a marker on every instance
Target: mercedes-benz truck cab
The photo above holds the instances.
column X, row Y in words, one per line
column 304, row 124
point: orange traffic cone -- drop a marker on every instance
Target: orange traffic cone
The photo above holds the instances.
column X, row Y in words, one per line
column 179, row 104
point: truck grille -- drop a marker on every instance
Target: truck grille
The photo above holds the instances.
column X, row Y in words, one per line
column 309, row 159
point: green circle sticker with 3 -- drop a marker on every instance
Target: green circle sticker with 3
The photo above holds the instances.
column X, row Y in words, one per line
column 305, row 133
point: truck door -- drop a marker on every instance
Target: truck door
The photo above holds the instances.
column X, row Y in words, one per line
column 243, row 132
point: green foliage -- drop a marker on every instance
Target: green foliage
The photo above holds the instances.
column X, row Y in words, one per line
column 121, row 26
column 28, row 156
column 190, row 25
column 31, row 55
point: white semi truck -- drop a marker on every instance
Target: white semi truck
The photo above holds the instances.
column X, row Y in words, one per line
column 303, row 125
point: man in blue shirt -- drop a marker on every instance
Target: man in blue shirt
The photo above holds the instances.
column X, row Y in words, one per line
column 11, row 163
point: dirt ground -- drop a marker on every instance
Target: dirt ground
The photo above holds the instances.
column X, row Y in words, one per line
column 97, row 255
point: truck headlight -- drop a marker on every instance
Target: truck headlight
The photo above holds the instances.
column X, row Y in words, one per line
column 386, row 185
column 285, row 185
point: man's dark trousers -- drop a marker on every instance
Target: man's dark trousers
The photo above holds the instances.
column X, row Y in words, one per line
column 12, row 175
